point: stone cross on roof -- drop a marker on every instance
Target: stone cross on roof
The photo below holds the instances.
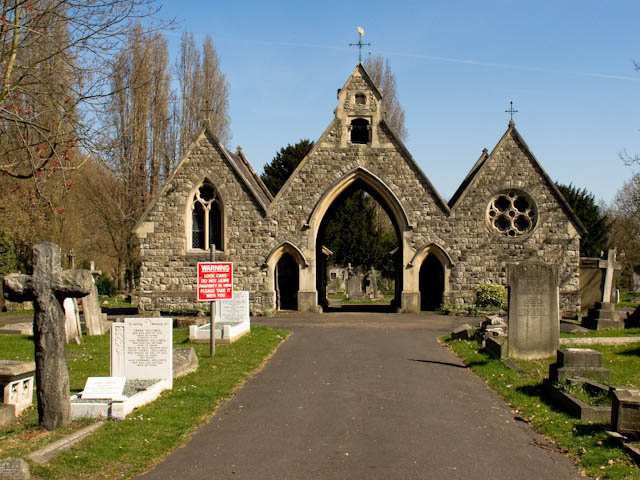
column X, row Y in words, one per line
column 47, row 288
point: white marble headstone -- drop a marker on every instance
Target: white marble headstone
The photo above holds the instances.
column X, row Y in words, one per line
column 142, row 348
column 235, row 310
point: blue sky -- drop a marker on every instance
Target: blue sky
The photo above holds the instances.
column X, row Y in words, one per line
column 567, row 66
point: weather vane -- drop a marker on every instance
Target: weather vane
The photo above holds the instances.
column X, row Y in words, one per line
column 511, row 111
column 360, row 44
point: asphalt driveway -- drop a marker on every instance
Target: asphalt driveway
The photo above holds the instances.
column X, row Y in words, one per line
column 365, row 396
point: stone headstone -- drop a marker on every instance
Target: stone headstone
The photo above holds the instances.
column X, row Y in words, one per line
column 7, row 415
column 185, row 361
column 142, row 349
column 71, row 319
column 14, row 469
column 603, row 316
column 578, row 362
column 235, row 310
column 534, row 317
column 496, row 347
column 92, row 312
column 47, row 287
column 463, row 332
column 625, row 411
column 21, row 328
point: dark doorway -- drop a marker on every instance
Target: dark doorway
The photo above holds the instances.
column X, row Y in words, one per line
column 287, row 283
column 431, row 283
column 341, row 232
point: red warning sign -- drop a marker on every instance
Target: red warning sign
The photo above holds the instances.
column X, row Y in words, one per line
column 215, row 281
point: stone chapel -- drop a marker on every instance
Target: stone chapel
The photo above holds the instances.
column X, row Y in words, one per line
column 507, row 210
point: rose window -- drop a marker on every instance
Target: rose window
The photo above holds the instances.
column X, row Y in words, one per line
column 512, row 213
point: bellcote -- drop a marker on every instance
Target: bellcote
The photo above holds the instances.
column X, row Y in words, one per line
column 359, row 109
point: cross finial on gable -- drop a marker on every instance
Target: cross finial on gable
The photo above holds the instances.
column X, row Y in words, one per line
column 360, row 44
column 511, row 111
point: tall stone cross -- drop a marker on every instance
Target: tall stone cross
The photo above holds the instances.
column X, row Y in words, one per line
column 610, row 265
column 47, row 288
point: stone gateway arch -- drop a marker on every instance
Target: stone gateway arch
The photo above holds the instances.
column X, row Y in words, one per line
column 507, row 210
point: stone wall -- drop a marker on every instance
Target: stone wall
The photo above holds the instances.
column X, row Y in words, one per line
column 168, row 272
column 471, row 249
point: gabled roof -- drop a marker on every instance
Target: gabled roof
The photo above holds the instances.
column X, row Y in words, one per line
column 471, row 177
column 416, row 167
column 366, row 77
column 238, row 163
column 408, row 157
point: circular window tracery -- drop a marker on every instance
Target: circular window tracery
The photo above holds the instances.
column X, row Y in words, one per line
column 512, row 213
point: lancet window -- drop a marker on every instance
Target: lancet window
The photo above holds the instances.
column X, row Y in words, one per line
column 206, row 218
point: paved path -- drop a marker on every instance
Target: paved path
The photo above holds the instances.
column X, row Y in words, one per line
column 364, row 396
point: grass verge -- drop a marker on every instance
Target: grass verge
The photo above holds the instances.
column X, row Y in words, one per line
column 124, row 448
column 588, row 443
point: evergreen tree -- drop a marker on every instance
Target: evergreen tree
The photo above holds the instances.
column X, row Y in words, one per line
column 277, row 172
column 597, row 223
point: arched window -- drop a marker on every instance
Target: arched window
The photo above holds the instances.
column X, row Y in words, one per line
column 359, row 131
column 206, row 218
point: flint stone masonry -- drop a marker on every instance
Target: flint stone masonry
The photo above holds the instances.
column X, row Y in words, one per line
column 258, row 229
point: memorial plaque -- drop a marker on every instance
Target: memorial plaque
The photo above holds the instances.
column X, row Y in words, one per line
column 148, row 348
column 236, row 310
column 14, row 469
column 534, row 321
column 98, row 388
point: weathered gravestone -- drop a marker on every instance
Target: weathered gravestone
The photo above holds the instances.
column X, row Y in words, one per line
column 92, row 312
column 534, row 313
column 578, row 362
column 71, row 320
column 604, row 315
column 47, row 288
column 625, row 411
column 14, row 469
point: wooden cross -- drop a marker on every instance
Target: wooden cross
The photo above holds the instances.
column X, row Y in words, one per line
column 511, row 111
column 47, row 288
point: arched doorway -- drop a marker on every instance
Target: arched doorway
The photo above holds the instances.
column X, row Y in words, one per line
column 431, row 283
column 393, row 270
column 287, row 283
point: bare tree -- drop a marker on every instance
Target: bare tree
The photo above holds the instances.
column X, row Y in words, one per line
column 381, row 74
column 138, row 137
column 54, row 56
column 625, row 231
column 204, row 91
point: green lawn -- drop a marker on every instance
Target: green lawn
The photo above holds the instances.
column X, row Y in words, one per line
column 124, row 448
column 596, row 454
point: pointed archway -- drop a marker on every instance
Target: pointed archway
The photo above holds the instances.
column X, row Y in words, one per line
column 358, row 179
column 287, row 282
column 431, row 283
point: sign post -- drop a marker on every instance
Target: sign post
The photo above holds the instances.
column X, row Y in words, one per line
column 215, row 282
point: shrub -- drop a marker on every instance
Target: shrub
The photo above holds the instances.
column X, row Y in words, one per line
column 106, row 285
column 491, row 295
